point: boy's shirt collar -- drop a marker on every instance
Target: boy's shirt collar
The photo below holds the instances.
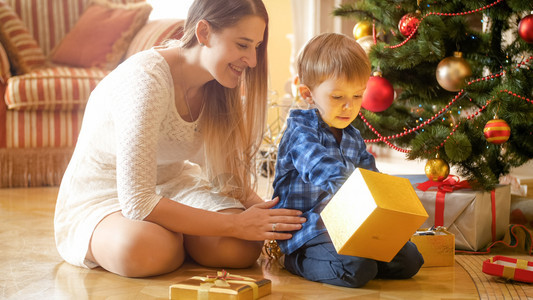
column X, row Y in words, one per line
column 313, row 115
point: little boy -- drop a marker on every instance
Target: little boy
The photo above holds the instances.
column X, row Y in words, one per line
column 319, row 150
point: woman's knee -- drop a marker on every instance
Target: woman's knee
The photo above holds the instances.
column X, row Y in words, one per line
column 151, row 255
column 136, row 249
column 223, row 251
column 240, row 253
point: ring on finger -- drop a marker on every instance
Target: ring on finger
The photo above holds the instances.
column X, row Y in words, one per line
column 274, row 226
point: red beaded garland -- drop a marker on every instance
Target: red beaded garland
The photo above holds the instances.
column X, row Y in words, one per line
column 442, row 14
column 427, row 122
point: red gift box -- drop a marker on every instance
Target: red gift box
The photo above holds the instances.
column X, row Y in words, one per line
column 509, row 268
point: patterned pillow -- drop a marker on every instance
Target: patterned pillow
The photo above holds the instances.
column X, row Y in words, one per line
column 5, row 73
column 102, row 35
column 22, row 49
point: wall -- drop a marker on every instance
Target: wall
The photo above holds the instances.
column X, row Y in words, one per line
column 292, row 24
column 279, row 48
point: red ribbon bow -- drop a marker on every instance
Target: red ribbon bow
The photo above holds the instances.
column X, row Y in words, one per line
column 448, row 185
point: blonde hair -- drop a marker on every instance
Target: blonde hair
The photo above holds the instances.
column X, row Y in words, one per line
column 332, row 55
column 233, row 119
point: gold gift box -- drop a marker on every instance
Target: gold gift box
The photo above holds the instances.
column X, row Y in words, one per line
column 223, row 286
column 373, row 215
column 436, row 246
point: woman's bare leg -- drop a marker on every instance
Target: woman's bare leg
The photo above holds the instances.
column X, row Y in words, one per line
column 224, row 252
column 135, row 248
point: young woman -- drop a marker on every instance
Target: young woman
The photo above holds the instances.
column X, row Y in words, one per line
column 162, row 167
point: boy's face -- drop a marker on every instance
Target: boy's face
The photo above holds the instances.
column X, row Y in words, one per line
column 338, row 101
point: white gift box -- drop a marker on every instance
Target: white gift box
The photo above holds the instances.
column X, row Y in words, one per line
column 473, row 216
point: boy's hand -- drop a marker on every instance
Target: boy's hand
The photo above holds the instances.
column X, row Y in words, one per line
column 260, row 222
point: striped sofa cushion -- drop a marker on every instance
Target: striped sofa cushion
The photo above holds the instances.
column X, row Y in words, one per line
column 30, row 129
column 154, row 33
column 4, row 67
column 54, row 88
column 50, row 20
column 22, row 49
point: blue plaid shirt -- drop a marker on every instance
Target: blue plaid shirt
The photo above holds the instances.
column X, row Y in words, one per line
column 311, row 167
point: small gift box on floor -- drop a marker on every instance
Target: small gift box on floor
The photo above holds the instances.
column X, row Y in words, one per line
column 222, row 286
column 509, row 268
column 437, row 246
column 475, row 217
column 373, row 215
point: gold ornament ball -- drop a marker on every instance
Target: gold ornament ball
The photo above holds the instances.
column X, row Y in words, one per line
column 437, row 169
column 361, row 29
column 366, row 43
column 452, row 72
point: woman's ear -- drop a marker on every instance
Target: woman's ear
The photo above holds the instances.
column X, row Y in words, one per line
column 202, row 32
column 305, row 92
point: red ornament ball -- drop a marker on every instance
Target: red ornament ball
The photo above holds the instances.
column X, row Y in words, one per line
column 525, row 29
column 378, row 95
column 408, row 24
column 497, row 131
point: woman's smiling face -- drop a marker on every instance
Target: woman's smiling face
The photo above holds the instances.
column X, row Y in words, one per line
column 234, row 49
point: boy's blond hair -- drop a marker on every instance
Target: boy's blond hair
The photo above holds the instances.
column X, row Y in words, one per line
column 332, row 55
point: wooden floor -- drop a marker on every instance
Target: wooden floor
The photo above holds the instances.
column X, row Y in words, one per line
column 31, row 268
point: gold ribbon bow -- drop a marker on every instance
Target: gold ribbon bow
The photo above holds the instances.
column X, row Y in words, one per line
column 508, row 272
column 223, row 279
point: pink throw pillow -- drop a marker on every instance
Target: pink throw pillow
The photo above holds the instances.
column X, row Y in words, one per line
column 101, row 36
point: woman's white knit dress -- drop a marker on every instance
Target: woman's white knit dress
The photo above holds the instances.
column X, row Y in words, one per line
column 133, row 149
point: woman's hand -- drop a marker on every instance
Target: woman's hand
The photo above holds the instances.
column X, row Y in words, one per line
column 260, row 222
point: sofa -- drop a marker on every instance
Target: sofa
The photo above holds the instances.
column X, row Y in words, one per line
column 53, row 53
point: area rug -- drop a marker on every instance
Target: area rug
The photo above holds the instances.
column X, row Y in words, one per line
column 494, row 287
column 517, row 243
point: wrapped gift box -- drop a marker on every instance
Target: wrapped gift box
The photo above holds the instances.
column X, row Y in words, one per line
column 437, row 246
column 373, row 215
column 470, row 215
column 521, row 211
column 509, row 268
column 223, row 286
column 521, row 185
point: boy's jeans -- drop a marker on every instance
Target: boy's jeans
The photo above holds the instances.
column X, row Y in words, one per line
column 318, row 261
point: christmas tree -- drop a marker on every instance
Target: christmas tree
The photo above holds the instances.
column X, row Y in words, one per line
column 449, row 67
